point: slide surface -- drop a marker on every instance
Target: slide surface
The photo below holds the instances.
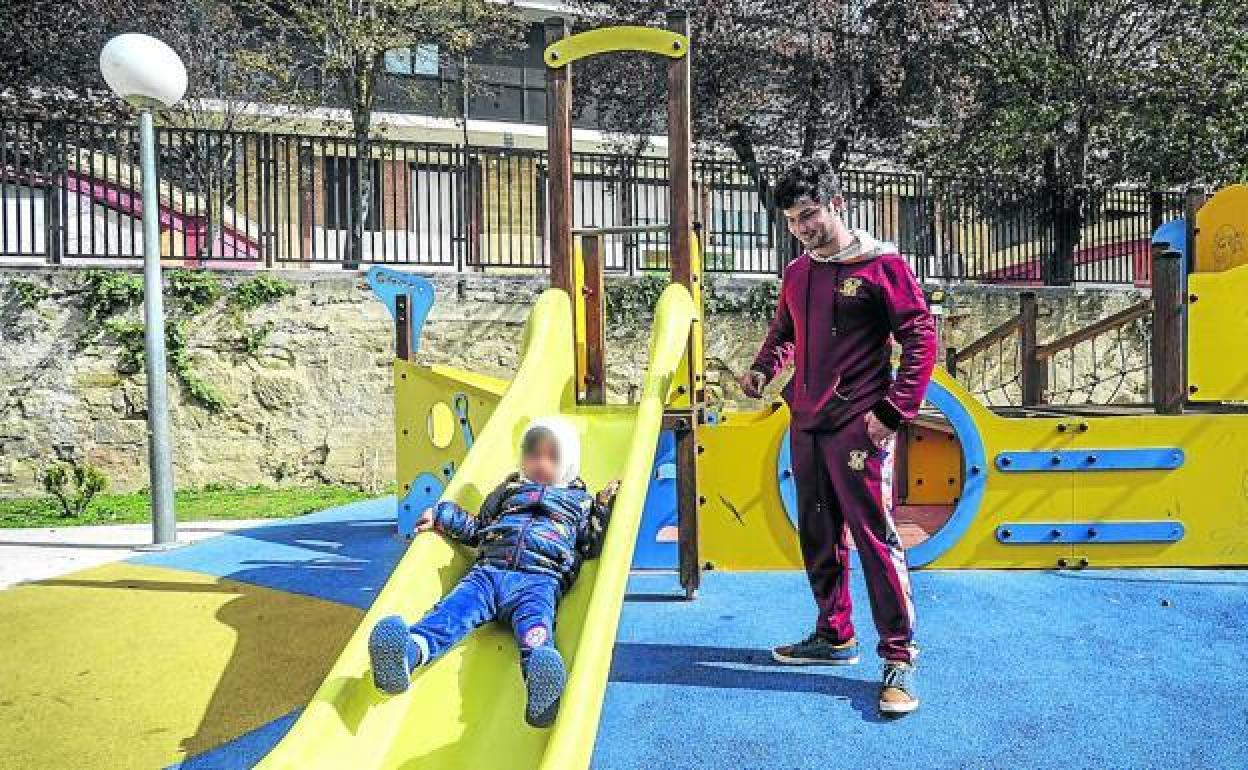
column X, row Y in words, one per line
column 467, row 709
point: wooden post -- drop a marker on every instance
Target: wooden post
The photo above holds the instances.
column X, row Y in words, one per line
column 683, row 424
column 595, row 323
column 687, row 272
column 1169, row 376
column 559, row 156
column 1034, row 370
column 688, row 501
column 680, row 160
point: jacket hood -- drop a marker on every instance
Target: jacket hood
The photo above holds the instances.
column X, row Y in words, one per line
column 869, row 247
column 568, row 444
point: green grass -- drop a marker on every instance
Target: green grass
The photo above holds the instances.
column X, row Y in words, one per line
column 192, row 505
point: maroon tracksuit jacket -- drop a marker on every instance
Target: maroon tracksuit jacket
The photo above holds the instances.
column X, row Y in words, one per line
column 835, row 322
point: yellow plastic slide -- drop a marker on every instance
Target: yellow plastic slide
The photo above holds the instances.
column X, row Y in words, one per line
column 467, row 709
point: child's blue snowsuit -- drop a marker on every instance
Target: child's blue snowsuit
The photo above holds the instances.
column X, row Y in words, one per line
column 531, row 540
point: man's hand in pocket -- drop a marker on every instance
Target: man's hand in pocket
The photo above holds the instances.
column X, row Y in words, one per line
column 878, row 432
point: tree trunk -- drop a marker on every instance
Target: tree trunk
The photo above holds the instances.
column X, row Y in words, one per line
column 361, row 187
column 1067, row 202
column 1062, row 199
column 787, row 247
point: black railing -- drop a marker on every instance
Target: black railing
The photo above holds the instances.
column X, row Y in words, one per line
column 70, row 192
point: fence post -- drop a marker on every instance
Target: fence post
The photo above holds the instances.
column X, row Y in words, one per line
column 951, row 361
column 474, row 209
column 266, row 198
column 1034, row 370
column 1192, row 201
column 1156, row 210
column 628, row 243
column 56, row 169
column 1169, row 377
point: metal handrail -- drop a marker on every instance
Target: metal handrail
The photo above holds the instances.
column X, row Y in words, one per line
column 620, row 229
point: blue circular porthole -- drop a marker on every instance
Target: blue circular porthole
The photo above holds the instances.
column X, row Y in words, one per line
column 973, row 471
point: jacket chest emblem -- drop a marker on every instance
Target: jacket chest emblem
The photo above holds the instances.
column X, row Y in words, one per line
column 850, row 286
column 857, row 460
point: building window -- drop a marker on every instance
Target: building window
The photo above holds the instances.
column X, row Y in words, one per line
column 340, row 187
column 423, row 60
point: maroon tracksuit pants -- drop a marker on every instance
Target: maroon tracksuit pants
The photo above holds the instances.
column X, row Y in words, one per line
column 841, row 491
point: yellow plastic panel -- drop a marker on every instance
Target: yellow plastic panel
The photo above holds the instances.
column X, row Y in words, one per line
column 1217, row 336
column 1007, row 497
column 421, row 394
column 1222, row 231
column 441, row 425
column 738, row 471
column 466, row 710
column 743, row 525
column 609, row 39
column 1206, row 494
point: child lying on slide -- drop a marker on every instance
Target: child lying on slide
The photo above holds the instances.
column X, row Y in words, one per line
column 532, row 533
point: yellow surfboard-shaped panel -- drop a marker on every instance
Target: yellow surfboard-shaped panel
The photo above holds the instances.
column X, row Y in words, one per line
column 1222, row 231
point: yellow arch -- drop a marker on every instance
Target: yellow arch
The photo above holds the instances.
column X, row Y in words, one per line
column 608, row 39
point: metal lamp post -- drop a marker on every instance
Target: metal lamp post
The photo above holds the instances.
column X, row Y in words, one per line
column 148, row 74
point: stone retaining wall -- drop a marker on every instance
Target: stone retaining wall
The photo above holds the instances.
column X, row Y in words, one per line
column 312, row 403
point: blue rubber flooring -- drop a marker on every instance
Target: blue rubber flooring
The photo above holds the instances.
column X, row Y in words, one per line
column 245, row 751
column 342, row 554
column 1094, row 669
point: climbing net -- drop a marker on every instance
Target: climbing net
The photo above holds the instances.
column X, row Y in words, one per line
column 994, row 375
column 1110, row 368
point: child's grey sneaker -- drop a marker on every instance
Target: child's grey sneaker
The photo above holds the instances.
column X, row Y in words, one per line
column 817, row 650
column 897, row 691
column 394, row 654
column 544, row 676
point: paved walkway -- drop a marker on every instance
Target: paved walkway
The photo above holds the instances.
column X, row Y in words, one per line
column 45, row 552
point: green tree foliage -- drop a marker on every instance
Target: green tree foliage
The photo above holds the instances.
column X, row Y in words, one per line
column 345, row 42
column 1068, row 96
column 1098, row 91
column 774, row 80
column 73, row 485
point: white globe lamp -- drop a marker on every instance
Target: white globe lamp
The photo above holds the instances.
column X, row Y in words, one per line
column 143, row 70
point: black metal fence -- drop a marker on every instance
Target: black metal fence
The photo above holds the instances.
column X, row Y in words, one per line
column 70, row 192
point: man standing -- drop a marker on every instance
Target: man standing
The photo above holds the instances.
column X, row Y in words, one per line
column 842, row 303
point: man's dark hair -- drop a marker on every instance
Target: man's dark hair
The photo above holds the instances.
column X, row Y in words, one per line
column 812, row 178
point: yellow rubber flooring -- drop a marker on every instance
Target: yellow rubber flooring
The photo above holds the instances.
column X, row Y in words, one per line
column 129, row 666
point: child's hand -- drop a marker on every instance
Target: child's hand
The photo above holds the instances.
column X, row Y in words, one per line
column 608, row 492
column 425, row 522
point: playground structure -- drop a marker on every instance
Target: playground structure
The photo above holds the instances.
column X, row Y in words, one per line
column 1038, row 491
